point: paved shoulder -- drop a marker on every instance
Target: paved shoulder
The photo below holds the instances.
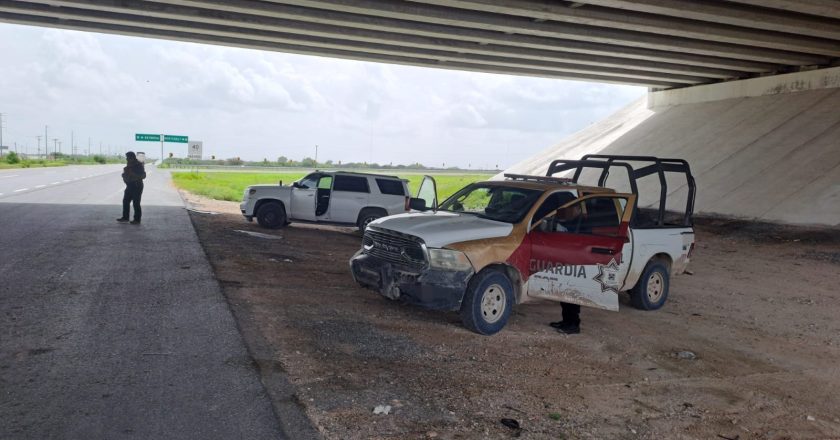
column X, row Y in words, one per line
column 117, row 331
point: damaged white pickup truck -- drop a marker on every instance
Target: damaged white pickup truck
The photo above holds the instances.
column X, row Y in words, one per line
column 495, row 244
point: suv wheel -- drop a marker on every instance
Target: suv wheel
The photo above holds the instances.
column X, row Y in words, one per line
column 651, row 291
column 271, row 215
column 368, row 215
column 488, row 302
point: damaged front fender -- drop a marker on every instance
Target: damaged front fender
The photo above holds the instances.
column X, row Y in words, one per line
column 429, row 288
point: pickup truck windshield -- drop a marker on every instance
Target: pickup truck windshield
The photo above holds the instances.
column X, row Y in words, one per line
column 494, row 202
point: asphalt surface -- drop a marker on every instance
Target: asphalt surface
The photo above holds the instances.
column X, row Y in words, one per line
column 111, row 330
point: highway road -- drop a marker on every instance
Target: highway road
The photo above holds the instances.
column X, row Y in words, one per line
column 111, row 330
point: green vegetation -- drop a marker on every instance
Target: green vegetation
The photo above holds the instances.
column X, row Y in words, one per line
column 554, row 416
column 230, row 186
column 14, row 160
column 284, row 162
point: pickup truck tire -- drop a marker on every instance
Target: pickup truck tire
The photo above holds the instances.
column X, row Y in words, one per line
column 271, row 215
column 651, row 292
column 487, row 302
column 368, row 215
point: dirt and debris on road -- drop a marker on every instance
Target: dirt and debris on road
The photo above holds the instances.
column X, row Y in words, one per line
column 747, row 347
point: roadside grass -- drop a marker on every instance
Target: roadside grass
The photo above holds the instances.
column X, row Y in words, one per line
column 31, row 164
column 230, row 186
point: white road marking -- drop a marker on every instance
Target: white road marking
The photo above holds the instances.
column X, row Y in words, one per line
column 19, row 190
column 13, row 175
column 66, row 181
column 40, row 186
column 55, row 183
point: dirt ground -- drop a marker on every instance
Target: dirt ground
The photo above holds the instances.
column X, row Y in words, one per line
column 760, row 313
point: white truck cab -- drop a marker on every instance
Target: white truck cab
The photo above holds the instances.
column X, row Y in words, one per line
column 495, row 244
column 331, row 197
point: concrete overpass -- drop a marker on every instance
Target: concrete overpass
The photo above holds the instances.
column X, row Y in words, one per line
column 746, row 90
column 661, row 44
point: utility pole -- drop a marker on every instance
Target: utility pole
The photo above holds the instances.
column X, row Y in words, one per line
column 1, row 131
column 72, row 144
column 39, row 145
column 46, row 141
column 55, row 147
column 316, row 155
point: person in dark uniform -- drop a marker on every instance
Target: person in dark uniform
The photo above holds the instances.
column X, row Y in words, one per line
column 133, row 175
column 568, row 221
column 570, row 324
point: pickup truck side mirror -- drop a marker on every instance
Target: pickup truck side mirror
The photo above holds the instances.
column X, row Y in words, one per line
column 298, row 185
column 417, row 204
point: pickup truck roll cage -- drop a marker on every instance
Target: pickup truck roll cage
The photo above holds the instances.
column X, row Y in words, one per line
column 656, row 165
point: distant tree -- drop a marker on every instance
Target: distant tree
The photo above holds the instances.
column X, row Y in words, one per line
column 308, row 162
column 12, row 158
column 282, row 160
column 233, row 161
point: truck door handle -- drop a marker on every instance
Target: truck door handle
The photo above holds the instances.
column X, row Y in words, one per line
column 600, row 250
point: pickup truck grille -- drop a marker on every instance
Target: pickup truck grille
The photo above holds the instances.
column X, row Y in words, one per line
column 396, row 248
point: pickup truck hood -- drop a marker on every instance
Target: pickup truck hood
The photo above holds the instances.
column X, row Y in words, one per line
column 439, row 229
column 274, row 186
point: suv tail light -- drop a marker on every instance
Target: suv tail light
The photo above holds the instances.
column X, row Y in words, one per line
column 407, row 204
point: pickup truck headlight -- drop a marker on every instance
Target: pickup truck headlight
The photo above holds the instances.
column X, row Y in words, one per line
column 448, row 259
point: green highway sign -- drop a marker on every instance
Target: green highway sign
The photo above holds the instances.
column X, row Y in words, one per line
column 147, row 137
column 173, row 138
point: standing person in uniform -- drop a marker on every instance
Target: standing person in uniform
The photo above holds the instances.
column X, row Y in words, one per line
column 569, row 221
column 133, row 175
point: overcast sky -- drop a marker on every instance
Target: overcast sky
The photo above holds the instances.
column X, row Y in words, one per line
column 256, row 105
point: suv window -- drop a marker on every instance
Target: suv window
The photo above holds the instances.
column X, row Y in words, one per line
column 310, row 181
column 325, row 182
column 351, row 184
column 392, row 187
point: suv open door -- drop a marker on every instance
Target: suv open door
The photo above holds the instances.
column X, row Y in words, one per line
column 426, row 195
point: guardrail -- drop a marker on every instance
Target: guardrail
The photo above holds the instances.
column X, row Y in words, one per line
column 270, row 169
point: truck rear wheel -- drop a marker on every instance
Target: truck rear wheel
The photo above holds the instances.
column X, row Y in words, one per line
column 651, row 291
column 487, row 303
column 271, row 215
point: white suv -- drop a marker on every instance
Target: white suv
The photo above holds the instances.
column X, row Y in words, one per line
column 334, row 197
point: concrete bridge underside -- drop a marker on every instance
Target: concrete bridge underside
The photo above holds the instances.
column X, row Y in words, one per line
column 660, row 44
column 765, row 148
column 746, row 90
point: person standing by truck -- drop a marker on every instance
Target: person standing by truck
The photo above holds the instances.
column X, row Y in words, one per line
column 133, row 175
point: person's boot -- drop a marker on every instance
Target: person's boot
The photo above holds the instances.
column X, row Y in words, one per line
column 135, row 222
column 569, row 329
column 122, row 219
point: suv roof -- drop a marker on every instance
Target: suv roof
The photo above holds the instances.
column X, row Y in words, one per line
column 354, row 173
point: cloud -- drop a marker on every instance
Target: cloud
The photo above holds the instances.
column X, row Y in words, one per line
column 257, row 104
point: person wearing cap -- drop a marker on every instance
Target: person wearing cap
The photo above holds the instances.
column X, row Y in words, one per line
column 133, row 175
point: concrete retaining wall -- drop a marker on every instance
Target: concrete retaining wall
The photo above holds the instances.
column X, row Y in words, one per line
column 773, row 156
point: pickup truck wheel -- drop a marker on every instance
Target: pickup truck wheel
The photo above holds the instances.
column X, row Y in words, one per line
column 367, row 216
column 487, row 303
column 651, row 292
column 271, row 215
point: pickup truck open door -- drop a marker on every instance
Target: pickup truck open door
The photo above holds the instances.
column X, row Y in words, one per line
column 581, row 253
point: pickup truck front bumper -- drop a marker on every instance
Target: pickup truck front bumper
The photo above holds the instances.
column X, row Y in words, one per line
column 429, row 288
